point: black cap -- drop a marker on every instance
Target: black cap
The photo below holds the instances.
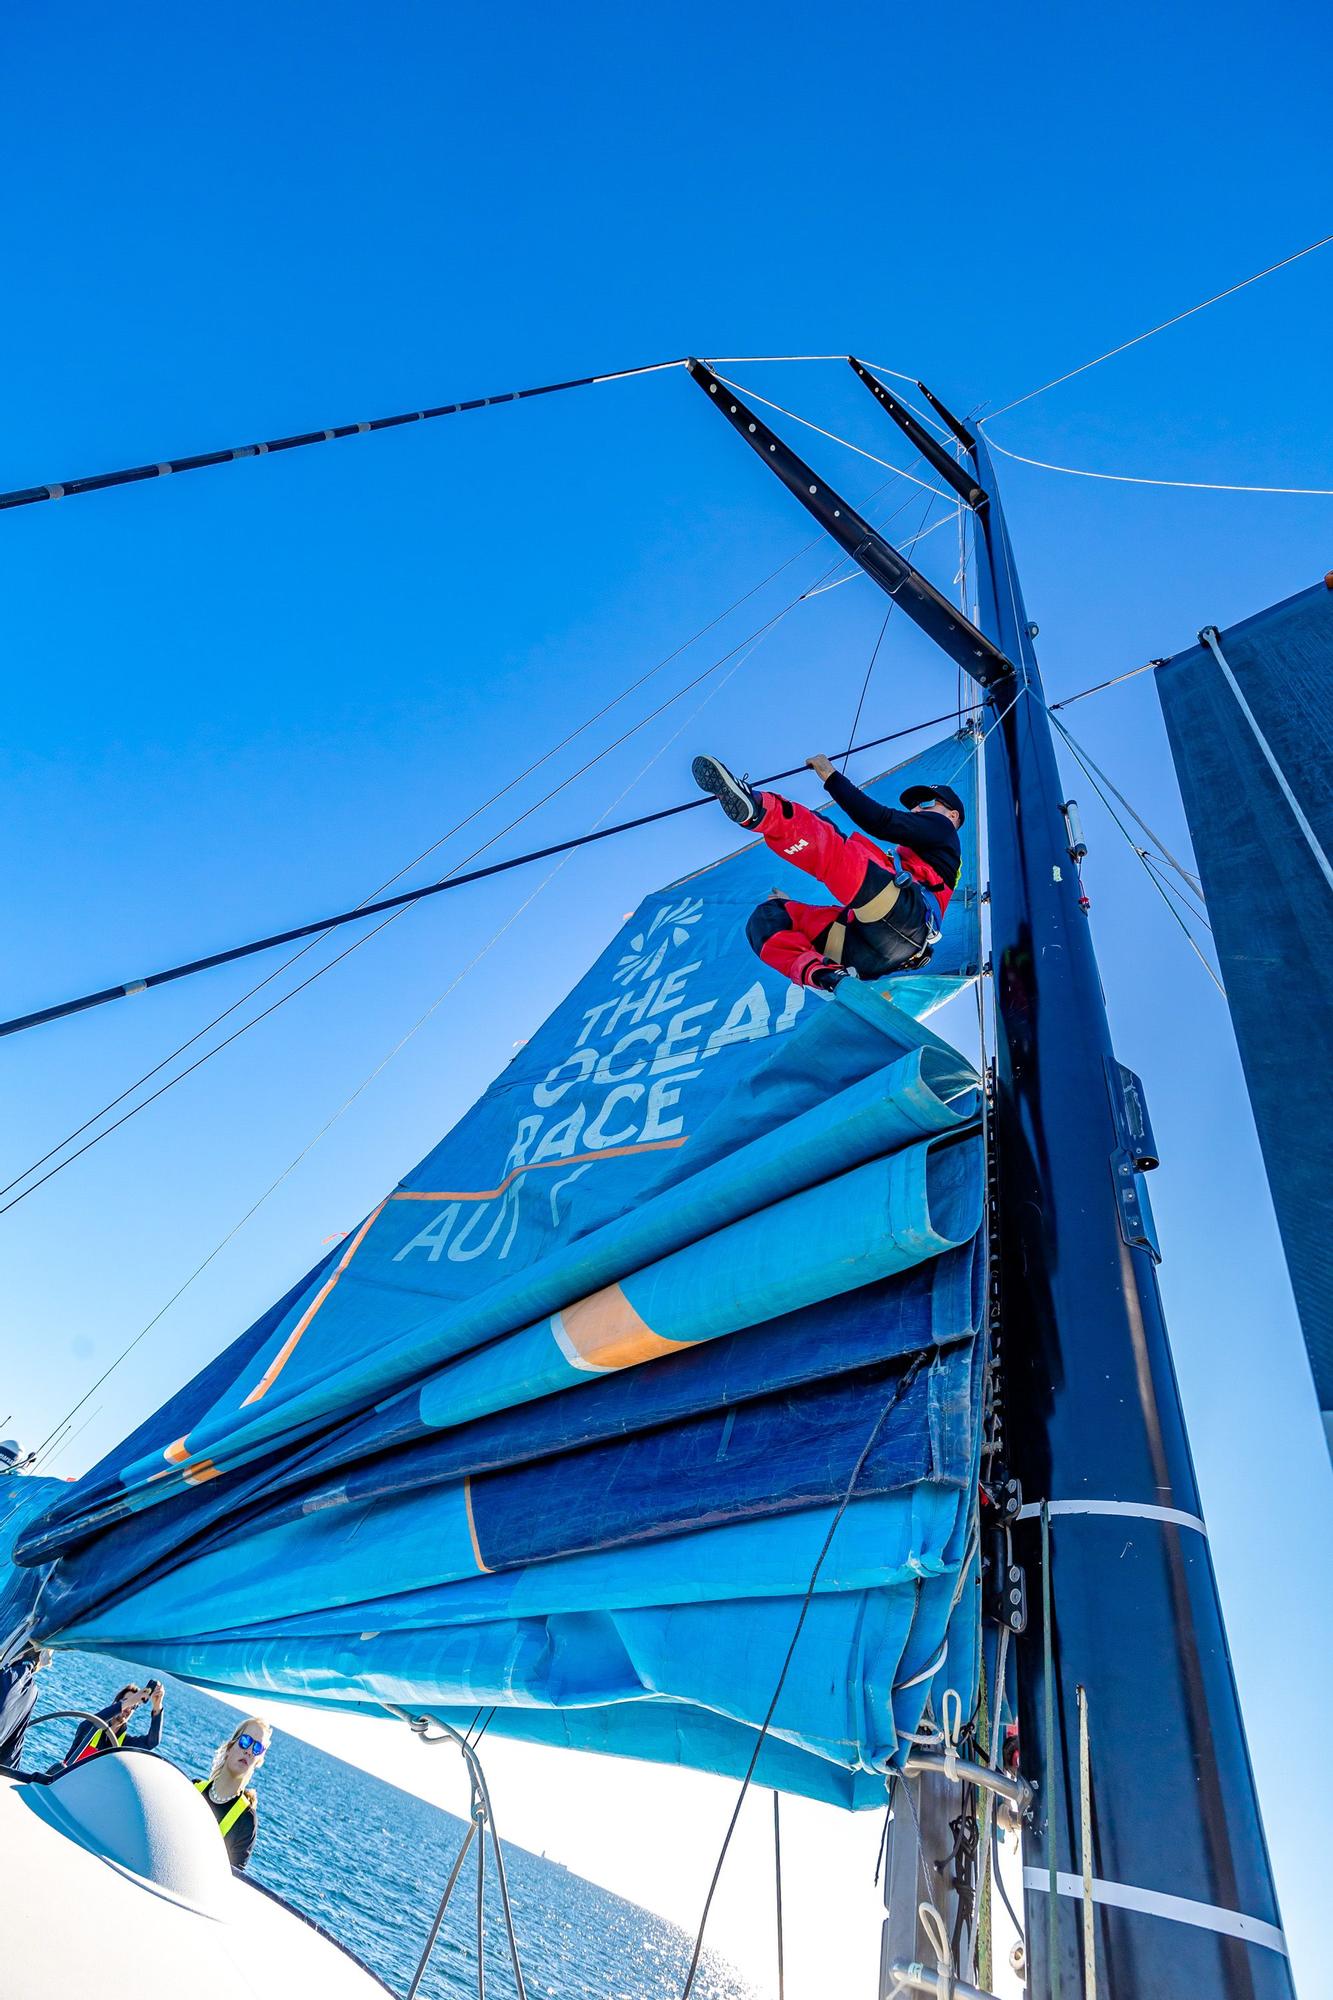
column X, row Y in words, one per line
column 916, row 795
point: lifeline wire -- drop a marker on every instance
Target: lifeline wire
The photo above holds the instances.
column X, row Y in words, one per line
column 900, row 1390
column 1175, row 320
column 27, row 496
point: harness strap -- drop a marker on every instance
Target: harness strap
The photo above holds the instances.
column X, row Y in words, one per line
column 229, row 1819
column 878, row 905
column 835, row 941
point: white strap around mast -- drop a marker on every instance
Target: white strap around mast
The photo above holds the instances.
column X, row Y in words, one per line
column 1135, row 1510
column 1155, row 1903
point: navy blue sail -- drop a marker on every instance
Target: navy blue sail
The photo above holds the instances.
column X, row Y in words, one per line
column 1250, row 733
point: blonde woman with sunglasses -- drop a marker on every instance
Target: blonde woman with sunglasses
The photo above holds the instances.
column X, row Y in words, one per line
column 227, row 1795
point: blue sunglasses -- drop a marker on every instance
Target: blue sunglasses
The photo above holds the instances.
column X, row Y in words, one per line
column 251, row 1743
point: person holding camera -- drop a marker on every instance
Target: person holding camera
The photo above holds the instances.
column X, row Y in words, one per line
column 111, row 1730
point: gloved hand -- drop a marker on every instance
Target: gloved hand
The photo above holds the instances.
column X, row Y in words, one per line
column 820, row 765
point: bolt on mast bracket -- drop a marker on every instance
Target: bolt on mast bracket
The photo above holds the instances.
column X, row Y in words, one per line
column 963, row 482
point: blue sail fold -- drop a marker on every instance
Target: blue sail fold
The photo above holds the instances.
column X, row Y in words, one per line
column 562, row 1427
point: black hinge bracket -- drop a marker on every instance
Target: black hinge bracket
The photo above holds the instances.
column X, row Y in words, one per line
column 923, row 604
column 948, row 469
column 960, row 431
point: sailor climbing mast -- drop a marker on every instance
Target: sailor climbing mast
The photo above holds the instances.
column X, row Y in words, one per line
column 1151, row 1845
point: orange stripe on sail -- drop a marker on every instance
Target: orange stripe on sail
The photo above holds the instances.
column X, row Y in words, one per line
column 569, row 1160
column 290, row 1344
column 605, row 1331
column 195, row 1475
column 178, row 1451
column 472, row 1529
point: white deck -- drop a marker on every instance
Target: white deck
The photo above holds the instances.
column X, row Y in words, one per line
column 117, row 1888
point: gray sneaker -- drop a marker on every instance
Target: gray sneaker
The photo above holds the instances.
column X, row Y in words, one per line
column 735, row 796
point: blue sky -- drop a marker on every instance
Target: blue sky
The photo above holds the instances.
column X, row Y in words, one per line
column 239, row 698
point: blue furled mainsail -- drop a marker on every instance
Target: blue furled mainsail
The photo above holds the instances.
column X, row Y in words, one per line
column 562, row 1427
column 1270, row 904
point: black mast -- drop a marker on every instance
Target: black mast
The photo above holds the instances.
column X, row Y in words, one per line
column 1184, row 1902
column 1182, row 1898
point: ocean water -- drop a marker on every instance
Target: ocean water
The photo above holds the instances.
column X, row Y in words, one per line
column 368, row 1862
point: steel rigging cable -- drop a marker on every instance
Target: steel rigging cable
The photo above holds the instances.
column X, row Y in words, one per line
column 901, row 1388
column 751, row 640
column 535, row 765
column 398, row 873
column 55, row 1438
column 1175, row 320
column 133, row 475
column 28, row 496
column 1136, row 479
column 874, row 655
column 62, row 1009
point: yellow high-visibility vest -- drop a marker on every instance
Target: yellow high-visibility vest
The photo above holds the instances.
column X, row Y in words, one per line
column 93, row 1742
column 229, row 1819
